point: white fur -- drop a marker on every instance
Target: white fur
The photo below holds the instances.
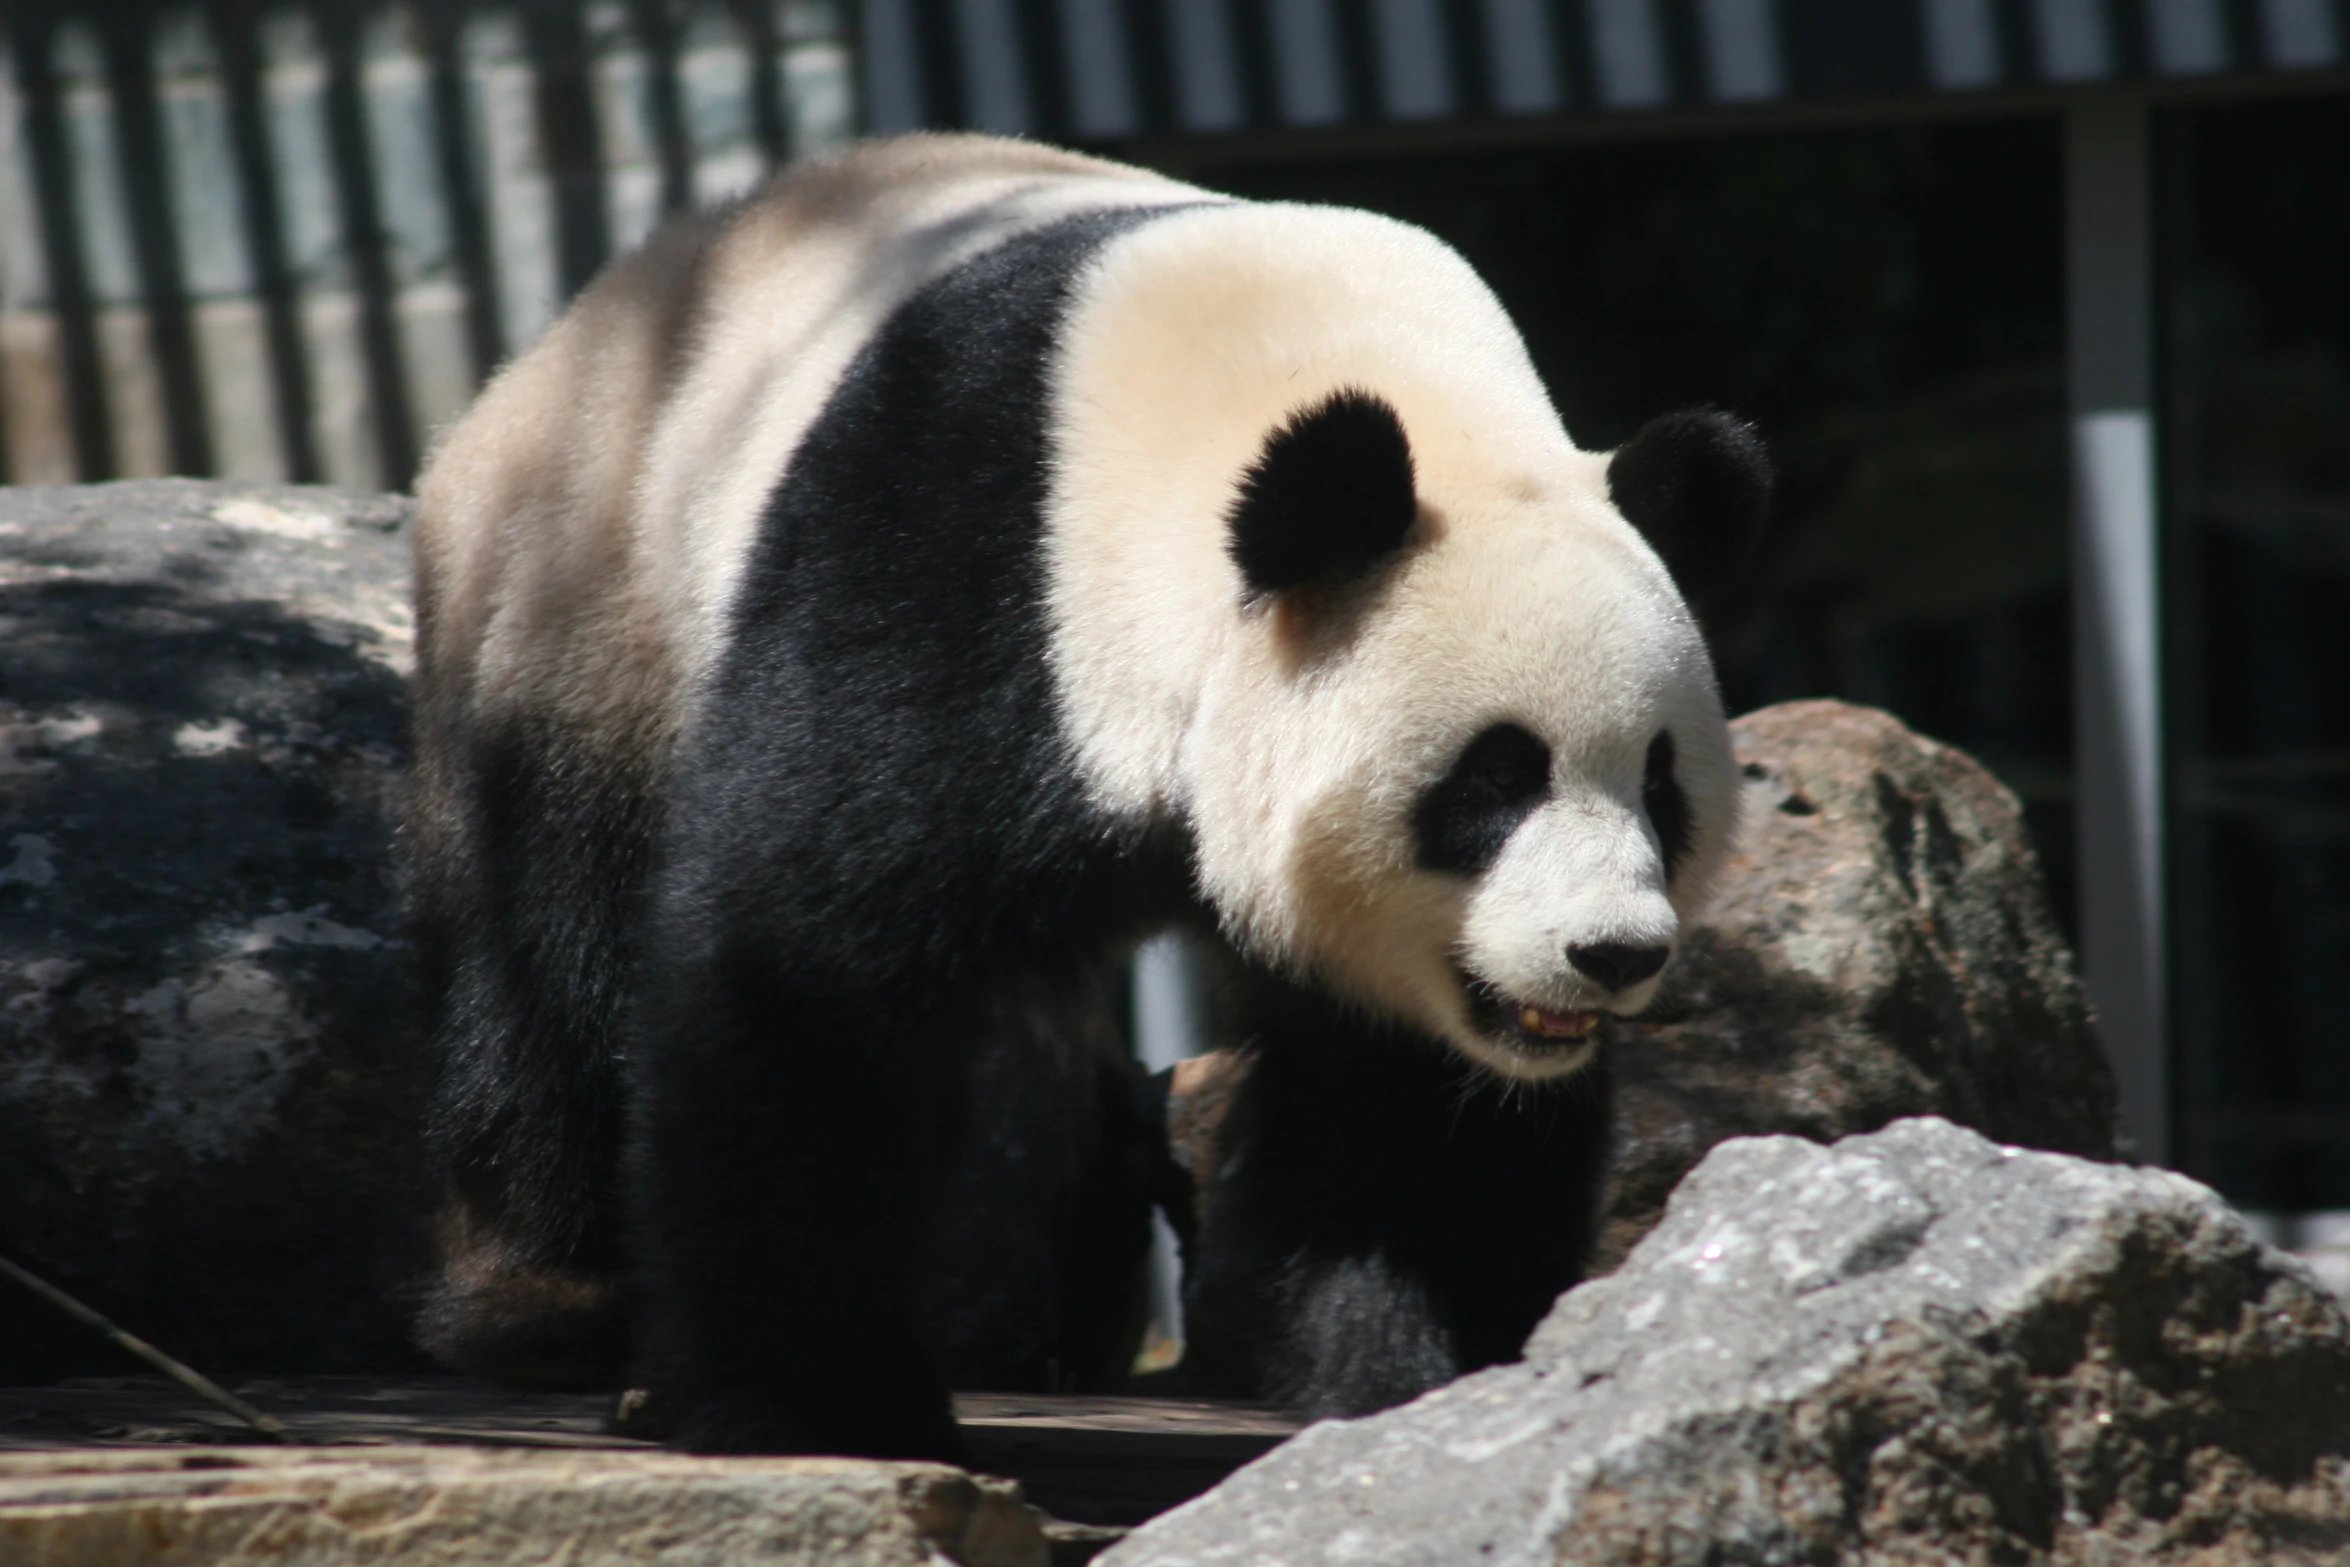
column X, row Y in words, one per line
column 583, row 528
column 1294, row 749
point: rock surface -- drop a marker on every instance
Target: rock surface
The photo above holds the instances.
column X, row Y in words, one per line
column 1880, row 946
column 1913, row 1346
column 207, row 1085
column 456, row 1507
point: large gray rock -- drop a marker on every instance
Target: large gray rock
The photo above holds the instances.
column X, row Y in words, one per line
column 444, row 1507
column 207, row 1084
column 1880, row 947
column 1913, row 1346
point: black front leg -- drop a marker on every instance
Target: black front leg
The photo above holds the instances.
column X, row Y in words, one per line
column 1386, row 1216
column 786, row 1150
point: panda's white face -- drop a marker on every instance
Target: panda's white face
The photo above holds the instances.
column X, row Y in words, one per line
column 1483, row 797
column 1514, row 636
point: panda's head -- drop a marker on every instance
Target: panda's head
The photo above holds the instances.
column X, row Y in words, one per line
column 1493, row 755
column 1422, row 688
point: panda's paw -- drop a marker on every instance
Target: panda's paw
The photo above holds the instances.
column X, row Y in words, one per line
column 640, row 1414
column 546, row 1329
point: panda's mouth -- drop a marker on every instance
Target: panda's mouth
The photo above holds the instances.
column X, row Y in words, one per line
column 1527, row 1028
column 1540, row 1023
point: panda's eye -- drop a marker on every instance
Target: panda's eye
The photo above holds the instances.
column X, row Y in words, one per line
column 1465, row 817
column 1667, row 806
column 1507, row 761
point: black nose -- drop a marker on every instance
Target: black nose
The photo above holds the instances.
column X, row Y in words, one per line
column 1616, row 964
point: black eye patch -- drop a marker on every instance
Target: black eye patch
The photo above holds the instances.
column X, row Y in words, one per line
column 1667, row 806
column 1465, row 817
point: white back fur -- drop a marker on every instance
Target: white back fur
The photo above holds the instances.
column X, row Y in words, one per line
column 583, row 527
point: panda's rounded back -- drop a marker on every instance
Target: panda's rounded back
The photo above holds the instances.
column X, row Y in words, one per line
column 582, row 527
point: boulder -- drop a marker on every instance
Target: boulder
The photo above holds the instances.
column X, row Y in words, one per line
column 1916, row 1345
column 207, row 1081
column 458, row 1507
column 1879, row 946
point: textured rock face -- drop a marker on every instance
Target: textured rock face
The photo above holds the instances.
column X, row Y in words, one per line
column 428, row 1507
column 1914, row 1346
column 207, row 1087
column 1880, row 946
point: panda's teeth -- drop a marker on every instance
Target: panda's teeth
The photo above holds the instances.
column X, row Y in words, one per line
column 1556, row 1025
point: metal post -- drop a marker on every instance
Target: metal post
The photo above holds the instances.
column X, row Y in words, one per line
column 1170, row 1023
column 2117, row 713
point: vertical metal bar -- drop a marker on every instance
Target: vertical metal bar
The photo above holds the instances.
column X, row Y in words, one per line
column 629, row 137
column 236, row 25
column 891, row 54
column 340, row 32
column 340, row 410
column 657, row 27
column 226, row 311
column 756, row 19
column 1170, row 1024
column 718, row 61
column 125, row 34
column 33, row 37
column 820, row 100
column 33, row 412
column 428, row 300
column 2109, row 291
column 455, row 128
column 1044, row 59
column 518, row 206
column 557, row 39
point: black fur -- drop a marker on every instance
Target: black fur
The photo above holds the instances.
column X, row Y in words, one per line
column 1465, row 817
column 879, row 844
column 1329, row 496
column 1666, row 805
column 524, row 862
column 1698, row 484
column 1038, row 1282
column 1387, row 1217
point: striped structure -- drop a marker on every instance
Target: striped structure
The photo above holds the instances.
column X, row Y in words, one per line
column 273, row 239
column 1110, row 69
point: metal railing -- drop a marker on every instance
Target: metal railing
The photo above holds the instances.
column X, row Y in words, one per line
column 287, row 241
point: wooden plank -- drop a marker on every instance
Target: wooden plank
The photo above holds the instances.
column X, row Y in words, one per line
column 1110, row 1461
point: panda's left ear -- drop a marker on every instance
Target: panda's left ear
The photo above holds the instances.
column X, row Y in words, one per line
column 1697, row 484
column 1327, row 499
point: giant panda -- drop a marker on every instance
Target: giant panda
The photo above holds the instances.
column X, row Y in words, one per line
column 886, row 599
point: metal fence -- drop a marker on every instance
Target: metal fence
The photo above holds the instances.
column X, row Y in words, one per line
column 287, row 241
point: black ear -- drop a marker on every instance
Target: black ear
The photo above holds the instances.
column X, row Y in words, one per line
column 1697, row 483
column 1329, row 495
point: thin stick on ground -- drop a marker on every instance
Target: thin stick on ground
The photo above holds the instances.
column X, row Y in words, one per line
column 186, row 1376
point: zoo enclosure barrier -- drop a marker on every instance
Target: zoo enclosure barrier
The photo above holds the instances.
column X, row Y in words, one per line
column 286, row 241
